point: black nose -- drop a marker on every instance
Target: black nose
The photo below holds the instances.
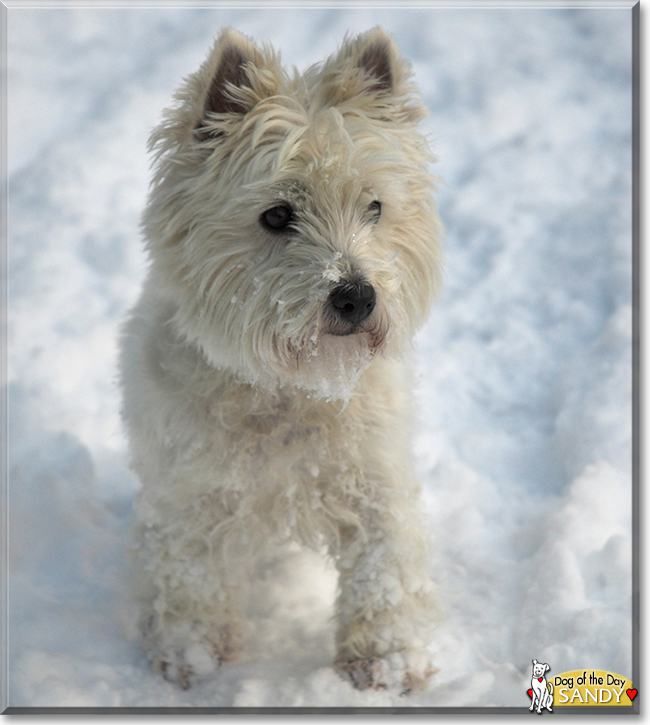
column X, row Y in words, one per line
column 353, row 303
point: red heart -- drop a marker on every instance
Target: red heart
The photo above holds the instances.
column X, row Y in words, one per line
column 540, row 679
column 530, row 693
column 631, row 694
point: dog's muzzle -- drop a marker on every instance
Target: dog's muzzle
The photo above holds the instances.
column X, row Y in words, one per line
column 351, row 304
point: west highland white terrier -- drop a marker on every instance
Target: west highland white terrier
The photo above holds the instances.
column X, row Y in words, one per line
column 294, row 250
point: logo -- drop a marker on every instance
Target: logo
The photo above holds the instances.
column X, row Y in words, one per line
column 578, row 688
column 540, row 691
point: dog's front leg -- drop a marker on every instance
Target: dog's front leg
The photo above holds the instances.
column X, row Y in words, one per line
column 548, row 700
column 385, row 606
column 191, row 602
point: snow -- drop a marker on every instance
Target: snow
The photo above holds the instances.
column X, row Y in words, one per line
column 524, row 442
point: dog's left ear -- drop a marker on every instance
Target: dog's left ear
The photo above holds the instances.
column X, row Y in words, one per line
column 212, row 102
column 370, row 71
column 235, row 77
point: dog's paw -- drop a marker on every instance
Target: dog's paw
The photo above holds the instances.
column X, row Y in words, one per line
column 416, row 680
column 185, row 666
column 173, row 669
column 189, row 651
column 407, row 672
column 365, row 674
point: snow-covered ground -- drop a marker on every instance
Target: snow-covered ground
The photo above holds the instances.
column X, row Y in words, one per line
column 525, row 365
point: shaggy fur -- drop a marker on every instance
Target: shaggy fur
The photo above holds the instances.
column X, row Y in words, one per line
column 264, row 370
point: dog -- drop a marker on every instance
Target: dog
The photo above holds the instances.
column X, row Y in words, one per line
column 542, row 695
column 294, row 249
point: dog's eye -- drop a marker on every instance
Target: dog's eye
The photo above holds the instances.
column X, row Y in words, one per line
column 375, row 209
column 277, row 218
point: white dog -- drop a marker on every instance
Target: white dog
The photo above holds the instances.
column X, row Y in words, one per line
column 294, row 249
column 542, row 695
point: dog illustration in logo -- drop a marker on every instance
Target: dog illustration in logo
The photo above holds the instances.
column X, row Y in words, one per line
column 541, row 695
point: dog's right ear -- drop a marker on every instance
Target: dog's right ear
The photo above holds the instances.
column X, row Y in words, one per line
column 369, row 72
column 234, row 78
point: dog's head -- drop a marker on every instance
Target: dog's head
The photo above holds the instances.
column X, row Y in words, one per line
column 540, row 668
column 291, row 217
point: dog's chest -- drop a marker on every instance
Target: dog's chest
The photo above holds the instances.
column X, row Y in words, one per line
column 280, row 441
column 285, row 462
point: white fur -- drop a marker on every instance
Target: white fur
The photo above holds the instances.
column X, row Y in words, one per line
column 251, row 419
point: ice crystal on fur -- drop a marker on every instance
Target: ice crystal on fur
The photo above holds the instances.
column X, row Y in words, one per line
column 295, row 249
